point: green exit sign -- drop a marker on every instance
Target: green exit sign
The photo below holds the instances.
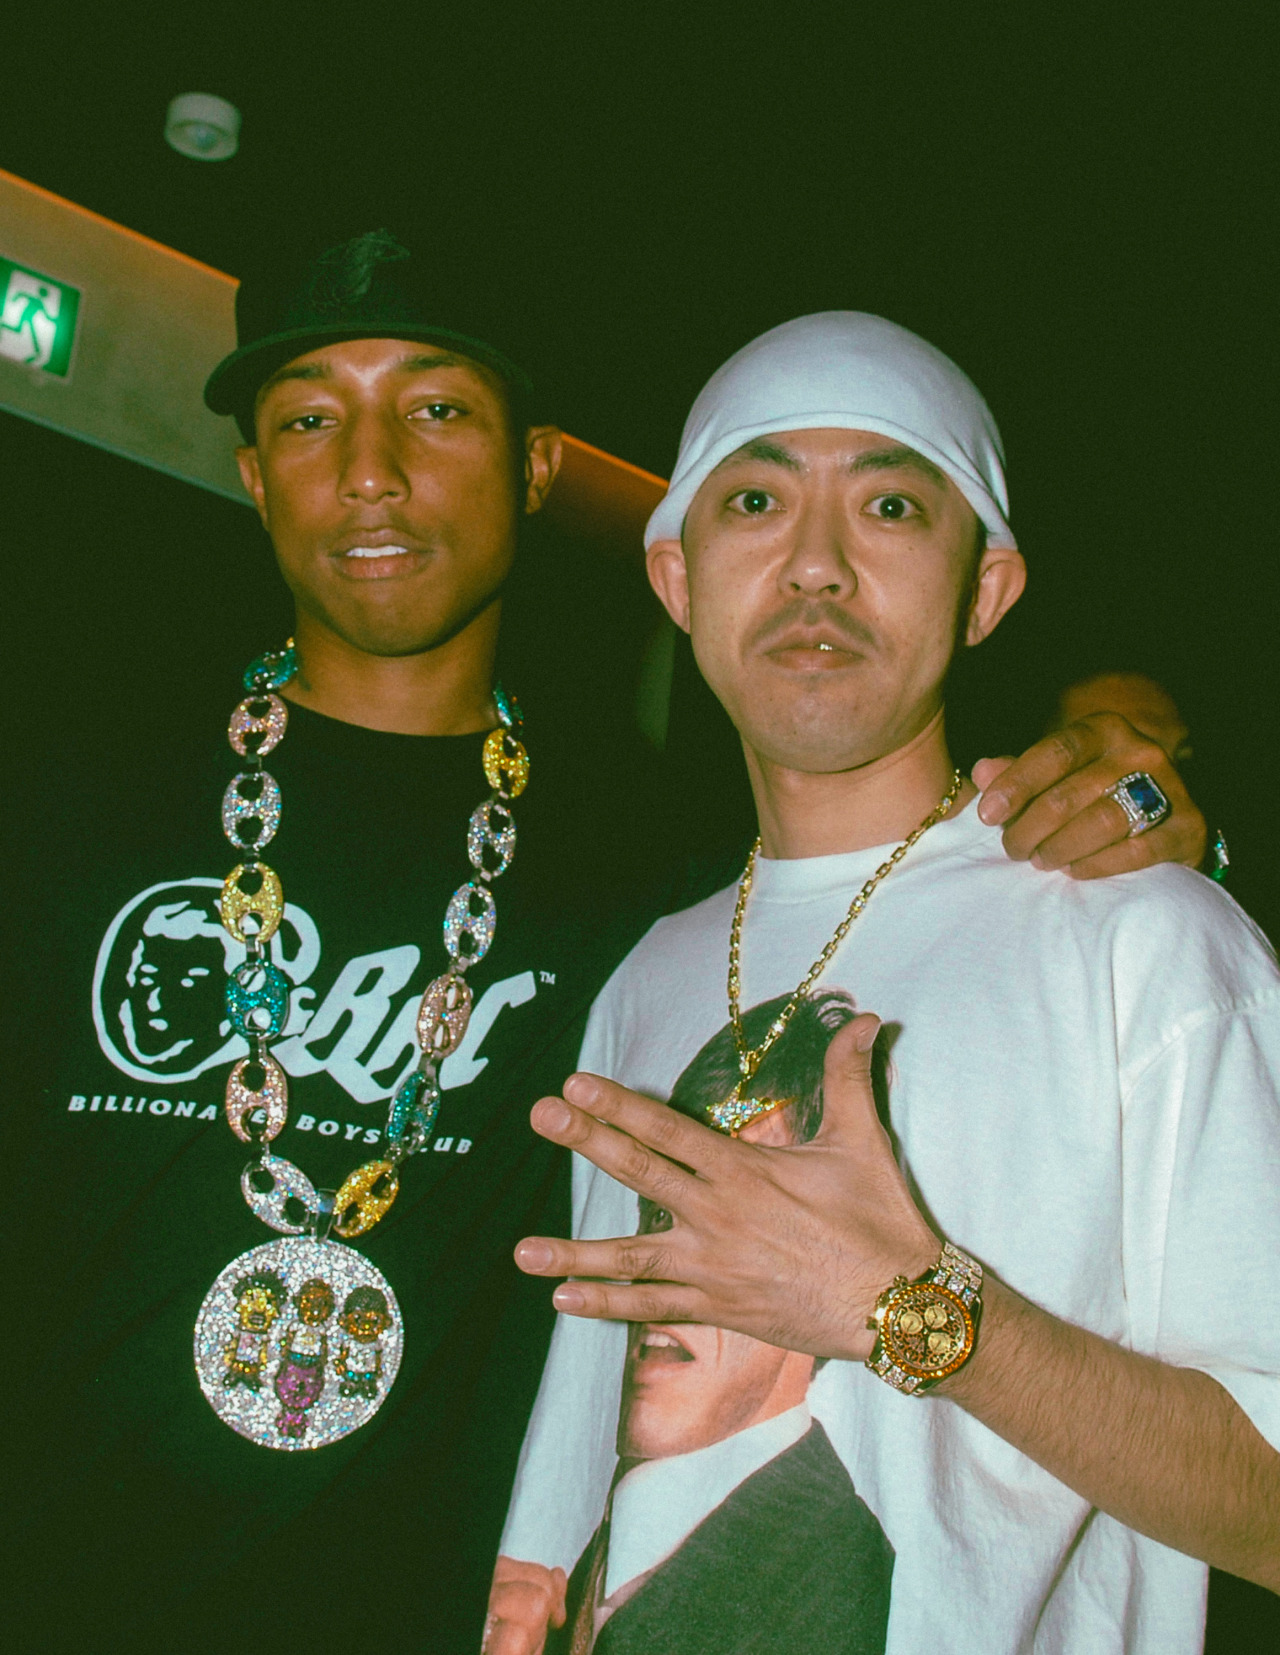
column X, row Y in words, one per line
column 37, row 319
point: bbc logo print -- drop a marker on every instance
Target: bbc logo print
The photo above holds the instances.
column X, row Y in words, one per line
column 37, row 319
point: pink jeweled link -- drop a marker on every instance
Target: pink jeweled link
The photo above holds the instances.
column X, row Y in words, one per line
column 273, row 1099
column 443, row 1015
column 258, row 715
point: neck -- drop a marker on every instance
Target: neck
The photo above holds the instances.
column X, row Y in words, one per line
column 444, row 691
column 805, row 814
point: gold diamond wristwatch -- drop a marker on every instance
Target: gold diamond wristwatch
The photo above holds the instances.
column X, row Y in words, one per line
column 926, row 1329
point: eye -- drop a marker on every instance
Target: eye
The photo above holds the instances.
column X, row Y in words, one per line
column 892, row 508
column 306, row 422
column 752, row 502
column 436, row 412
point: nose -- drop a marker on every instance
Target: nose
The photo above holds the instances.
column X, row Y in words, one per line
column 817, row 564
column 371, row 468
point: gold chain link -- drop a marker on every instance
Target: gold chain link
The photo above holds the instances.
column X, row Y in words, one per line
column 748, row 1060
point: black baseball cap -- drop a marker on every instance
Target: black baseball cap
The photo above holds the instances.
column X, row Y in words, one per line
column 369, row 287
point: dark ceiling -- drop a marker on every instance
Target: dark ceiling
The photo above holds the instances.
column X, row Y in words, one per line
column 1077, row 203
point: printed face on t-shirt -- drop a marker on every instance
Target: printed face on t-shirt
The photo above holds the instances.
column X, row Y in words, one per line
column 822, row 575
column 170, row 996
column 687, row 1386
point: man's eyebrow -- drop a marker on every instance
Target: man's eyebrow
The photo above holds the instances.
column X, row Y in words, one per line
column 897, row 458
column 424, row 361
column 294, row 370
column 416, row 362
column 760, row 448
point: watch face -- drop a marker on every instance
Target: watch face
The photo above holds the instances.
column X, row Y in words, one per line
column 927, row 1331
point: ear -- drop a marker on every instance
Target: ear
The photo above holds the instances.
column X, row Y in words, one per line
column 542, row 461
column 251, row 477
column 669, row 577
column 1002, row 574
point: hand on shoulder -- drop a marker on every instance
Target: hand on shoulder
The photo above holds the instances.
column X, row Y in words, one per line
column 1057, row 812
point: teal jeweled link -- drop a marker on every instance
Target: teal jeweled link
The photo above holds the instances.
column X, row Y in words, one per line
column 508, row 708
column 259, row 1011
column 272, row 669
column 417, row 1103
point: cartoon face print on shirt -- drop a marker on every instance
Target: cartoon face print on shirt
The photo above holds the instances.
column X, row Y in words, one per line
column 159, row 1006
column 160, row 980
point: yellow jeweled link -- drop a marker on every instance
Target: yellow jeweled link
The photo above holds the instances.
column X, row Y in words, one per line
column 266, row 902
column 506, row 764
column 364, row 1196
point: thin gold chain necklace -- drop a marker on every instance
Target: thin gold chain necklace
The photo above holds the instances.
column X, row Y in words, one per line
column 737, row 1110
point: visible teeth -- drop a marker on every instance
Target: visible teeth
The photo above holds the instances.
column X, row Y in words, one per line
column 664, row 1340
column 377, row 551
column 828, row 648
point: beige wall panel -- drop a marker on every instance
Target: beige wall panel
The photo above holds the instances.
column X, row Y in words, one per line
column 151, row 325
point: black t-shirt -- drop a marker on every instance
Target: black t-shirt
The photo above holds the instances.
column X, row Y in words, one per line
column 142, row 1521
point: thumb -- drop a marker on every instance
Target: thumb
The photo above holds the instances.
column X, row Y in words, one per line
column 848, row 1099
column 986, row 771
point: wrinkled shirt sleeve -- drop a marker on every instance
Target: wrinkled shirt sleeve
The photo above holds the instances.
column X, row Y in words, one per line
column 1202, row 1203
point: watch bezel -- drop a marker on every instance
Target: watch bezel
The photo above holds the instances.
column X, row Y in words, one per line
column 913, row 1294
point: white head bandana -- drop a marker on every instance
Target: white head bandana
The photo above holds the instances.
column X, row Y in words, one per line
column 843, row 370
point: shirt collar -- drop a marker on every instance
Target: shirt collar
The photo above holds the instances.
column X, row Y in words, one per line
column 658, row 1504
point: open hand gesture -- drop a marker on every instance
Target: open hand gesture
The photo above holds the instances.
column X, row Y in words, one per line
column 790, row 1244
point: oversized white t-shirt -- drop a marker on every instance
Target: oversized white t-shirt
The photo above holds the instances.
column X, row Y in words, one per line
column 1084, row 1083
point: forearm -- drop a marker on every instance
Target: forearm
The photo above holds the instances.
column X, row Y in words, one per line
column 1164, row 1450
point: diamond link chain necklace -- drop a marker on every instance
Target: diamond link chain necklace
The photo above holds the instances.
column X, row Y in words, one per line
column 737, row 1110
column 329, row 1369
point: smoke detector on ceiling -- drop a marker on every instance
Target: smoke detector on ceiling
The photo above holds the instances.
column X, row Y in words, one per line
column 202, row 126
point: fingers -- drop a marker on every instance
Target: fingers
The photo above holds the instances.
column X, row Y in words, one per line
column 527, row 1600
column 1038, row 769
column 1077, row 820
column 986, row 771
column 848, row 1100
column 503, row 1636
column 623, row 1258
column 1172, row 841
column 654, row 1124
column 1089, row 821
column 615, row 1151
column 1054, row 800
column 633, row 1302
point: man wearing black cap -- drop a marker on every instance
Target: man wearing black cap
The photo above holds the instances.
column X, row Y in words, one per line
column 296, row 1037
column 243, row 1031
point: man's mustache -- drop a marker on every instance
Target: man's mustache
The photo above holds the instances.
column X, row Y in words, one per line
column 812, row 614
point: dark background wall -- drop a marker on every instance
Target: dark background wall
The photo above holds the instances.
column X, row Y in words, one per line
column 1074, row 203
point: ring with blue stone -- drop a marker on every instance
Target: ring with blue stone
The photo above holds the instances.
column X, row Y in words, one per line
column 1142, row 799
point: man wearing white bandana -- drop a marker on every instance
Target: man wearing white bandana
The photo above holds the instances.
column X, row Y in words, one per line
column 1058, row 1421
